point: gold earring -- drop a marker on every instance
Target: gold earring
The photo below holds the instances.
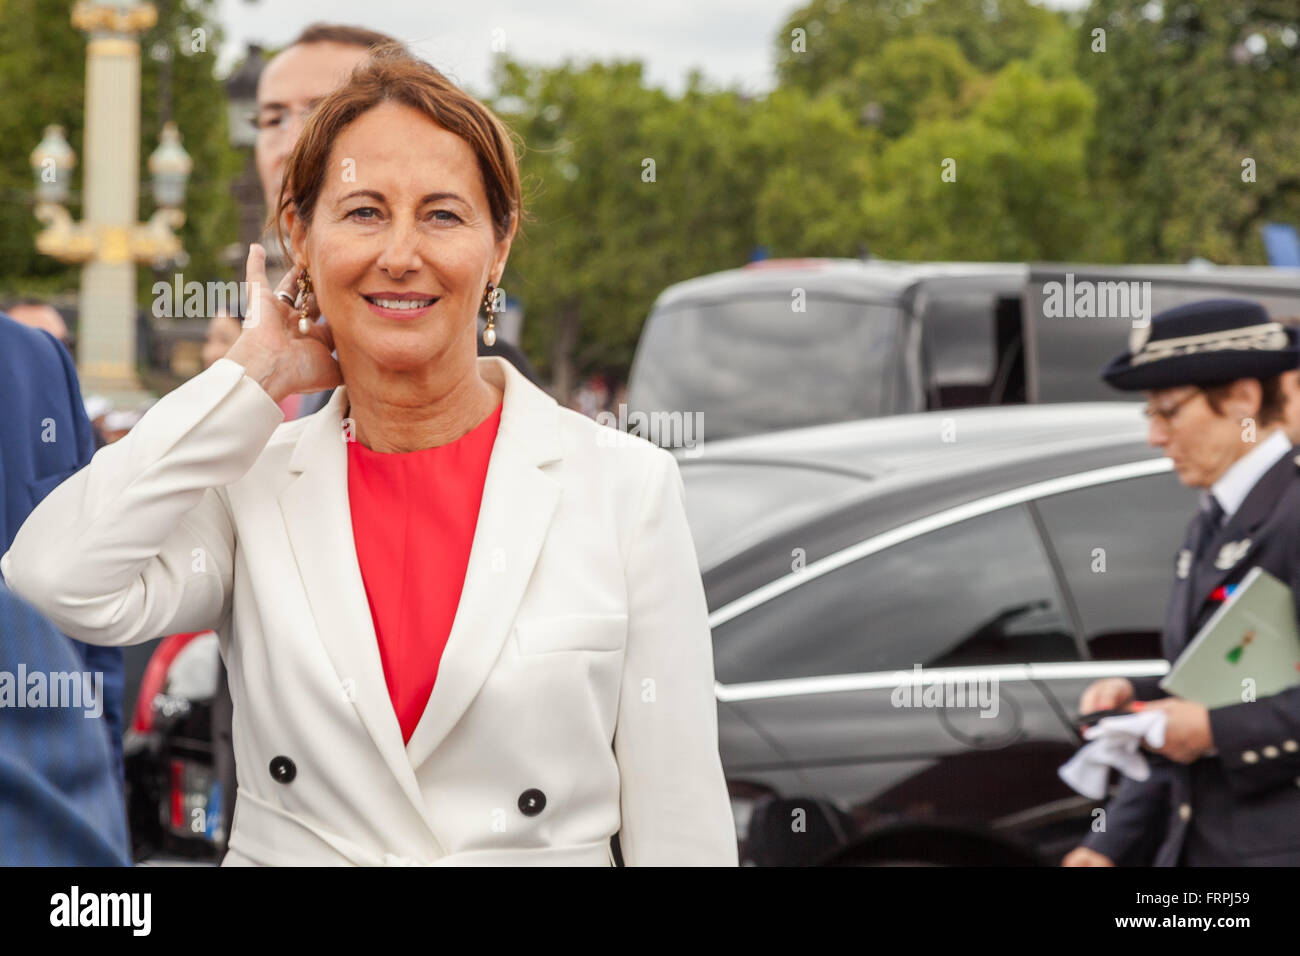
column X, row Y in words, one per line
column 304, row 324
column 489, row 332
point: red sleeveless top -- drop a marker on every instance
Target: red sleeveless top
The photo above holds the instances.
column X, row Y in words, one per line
column 413, row 520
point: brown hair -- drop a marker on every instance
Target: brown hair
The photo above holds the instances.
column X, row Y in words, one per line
column 391, row 74
column 341, row 34
column 1271, row 400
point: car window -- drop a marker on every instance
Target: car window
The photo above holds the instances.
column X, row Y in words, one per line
column 752, row 365
column 978, row 592
column 1116, row 544
column 960, row 337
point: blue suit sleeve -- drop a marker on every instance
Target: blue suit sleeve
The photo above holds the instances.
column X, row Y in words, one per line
column 60, row 804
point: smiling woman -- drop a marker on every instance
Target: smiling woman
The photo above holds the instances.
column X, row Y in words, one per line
column 401, row 244
column 460, row 625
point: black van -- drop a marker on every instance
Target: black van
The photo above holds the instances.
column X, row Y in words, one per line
column 787, row 343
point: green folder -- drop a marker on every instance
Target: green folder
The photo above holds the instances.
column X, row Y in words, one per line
column 1252, row 637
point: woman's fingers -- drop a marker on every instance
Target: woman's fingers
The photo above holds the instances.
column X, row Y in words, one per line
column 255, row 271
column 288, row 285
column 255, row 266
column 260, row 297
column 304, row 365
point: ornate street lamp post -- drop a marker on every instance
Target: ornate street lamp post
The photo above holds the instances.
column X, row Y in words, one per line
column 109, row 240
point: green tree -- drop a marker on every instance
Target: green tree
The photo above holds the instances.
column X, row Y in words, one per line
column 839, row 34
column 42, row 80
column 915, row 77
column 1008, row 182
column 814, row 157
column 629, row 190
column 1194, row 101
column 179, row 57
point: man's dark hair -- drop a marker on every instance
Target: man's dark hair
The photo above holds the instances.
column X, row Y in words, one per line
column 1271, row 399
column 341, row 33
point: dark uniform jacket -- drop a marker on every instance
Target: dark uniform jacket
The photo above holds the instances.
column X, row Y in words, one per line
column 1240, row 806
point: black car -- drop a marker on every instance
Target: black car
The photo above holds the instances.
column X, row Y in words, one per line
column 852, row 569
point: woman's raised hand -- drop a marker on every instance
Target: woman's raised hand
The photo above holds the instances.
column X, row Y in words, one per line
column 271, row 349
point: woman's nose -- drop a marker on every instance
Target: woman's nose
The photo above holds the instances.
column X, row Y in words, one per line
column 401, row 249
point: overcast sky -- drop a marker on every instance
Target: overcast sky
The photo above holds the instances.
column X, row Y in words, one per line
column 729, row 40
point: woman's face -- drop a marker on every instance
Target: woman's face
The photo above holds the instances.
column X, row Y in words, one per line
column 400, row 247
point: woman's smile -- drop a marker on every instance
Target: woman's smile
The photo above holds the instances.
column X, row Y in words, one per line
column 400, row 305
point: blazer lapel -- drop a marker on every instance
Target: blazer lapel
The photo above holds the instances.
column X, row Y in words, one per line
column 519, row 501
column 319, row 524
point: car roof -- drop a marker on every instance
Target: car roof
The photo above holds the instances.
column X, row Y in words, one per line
column 1264, row 277
column 885, row 279
column 867, row 279
column 928, row 443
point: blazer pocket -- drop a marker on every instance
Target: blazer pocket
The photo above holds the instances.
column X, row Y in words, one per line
column 577, row 632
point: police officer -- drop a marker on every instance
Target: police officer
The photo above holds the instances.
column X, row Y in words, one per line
column 1225, row 788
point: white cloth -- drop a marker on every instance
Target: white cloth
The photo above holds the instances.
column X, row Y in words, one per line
column 97, row 406
column 1243, row 474
column 578, row 670
column 1114, row 743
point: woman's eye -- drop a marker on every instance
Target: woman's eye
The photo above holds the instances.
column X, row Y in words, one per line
column 445, row 215
column 358, row 213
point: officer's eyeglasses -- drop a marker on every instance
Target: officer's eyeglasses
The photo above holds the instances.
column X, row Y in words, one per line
column 1167, row 413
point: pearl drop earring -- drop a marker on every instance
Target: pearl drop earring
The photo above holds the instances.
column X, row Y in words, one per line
column 304, row 324
column 489, row 332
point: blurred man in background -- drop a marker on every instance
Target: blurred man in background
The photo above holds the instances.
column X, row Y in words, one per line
column 59, row 802
column 45, row 436
column 296, row 79
column 39, row 315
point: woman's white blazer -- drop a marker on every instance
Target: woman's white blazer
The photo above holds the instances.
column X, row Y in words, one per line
column 575, row 696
